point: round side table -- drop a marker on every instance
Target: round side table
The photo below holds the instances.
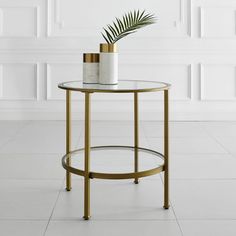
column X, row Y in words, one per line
column 124, row 86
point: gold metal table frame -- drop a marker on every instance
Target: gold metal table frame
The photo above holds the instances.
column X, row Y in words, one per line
column 86, row 173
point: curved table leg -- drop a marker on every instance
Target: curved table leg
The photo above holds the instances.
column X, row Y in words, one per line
column 87, row 158
column 68, row 137
column 166, row 149
column 136, row 126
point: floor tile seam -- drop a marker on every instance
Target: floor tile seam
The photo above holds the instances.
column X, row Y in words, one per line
column 77, row 219
column 178, row 223
column 179, row 219
column 23, row 220
column 193, row 121
column 228, row 152
column 215, row 121
column 184, row 137
column 208, row 219
column 146, row 180
column 31, row 179
column 15, row 134
column 180, row 137
column 29, row 153
column 204, row 155
column 216, row 140
column 44, row 219
column 173, row 153
column 224, row 136
column 172, row 207
column 155, row 179
column 171, row 121
column 80, row 138
column 232, row 155
column 199, row 153
column 111, row 136
column 38, row 180
column 179, row 153
column 54, row 206
column 206, row 179
column 147, row 137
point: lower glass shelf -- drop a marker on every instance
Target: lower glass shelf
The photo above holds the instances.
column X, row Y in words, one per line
column 119, row 158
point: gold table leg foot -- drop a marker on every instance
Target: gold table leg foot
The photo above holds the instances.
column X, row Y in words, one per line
column 86, row 217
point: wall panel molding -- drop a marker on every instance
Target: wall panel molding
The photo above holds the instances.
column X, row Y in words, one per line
column 213, row 19
column 217, row 32
column 218, row 88
column 15, row 79
column 53, row 92
column 57, row 26
column 17, row 32
column 1, row 81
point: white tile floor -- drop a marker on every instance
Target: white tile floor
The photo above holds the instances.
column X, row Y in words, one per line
column 203, row 181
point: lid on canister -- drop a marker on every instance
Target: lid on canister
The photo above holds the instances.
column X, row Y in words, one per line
column 91, row 57
column 106, row 47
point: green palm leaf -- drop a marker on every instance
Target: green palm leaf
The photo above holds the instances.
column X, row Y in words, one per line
column 128, row 24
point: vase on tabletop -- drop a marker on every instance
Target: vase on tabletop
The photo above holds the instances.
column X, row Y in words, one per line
column 108, row 65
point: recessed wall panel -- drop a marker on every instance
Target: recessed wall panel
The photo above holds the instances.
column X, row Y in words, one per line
column 218, row 82
column 58, row 73
column 19, row 81
column 218, row 22
column 18, row 21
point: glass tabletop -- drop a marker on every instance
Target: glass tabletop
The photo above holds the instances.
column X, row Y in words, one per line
column 123, row 86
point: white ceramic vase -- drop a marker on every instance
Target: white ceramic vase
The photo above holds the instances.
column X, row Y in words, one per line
column 91, row 68
column 108, row 66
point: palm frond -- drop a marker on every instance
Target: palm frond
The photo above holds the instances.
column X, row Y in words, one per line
column 128, row 24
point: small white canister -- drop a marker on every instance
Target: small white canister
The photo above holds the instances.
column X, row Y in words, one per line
column 108, row 66
column 91, row 68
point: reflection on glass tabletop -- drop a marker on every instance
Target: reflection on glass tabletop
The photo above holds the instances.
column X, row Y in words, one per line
column 123, row 86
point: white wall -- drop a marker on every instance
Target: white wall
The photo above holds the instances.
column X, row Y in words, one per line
column 193, row 46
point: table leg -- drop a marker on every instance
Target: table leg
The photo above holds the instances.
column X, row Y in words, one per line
column 136, row 180
column 87, row 158
column 68, row 137
column 166, row 149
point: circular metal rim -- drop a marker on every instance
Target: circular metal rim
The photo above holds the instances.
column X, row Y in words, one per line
column 129, row 175
column 89, row 90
